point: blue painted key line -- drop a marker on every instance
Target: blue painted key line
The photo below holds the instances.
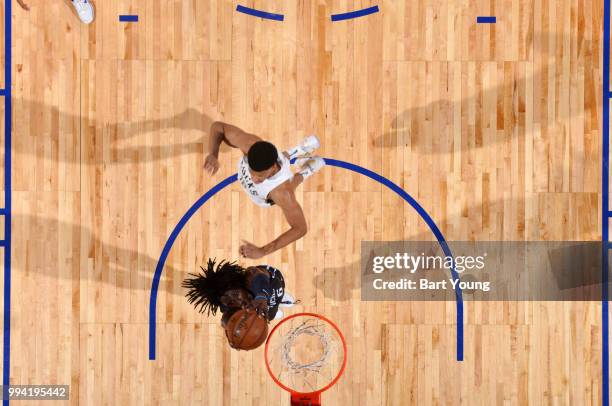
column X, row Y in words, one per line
column 2, row 212
column 355, row 14
column 2, row 92
column 128, row 18
column 610, row 214
column 8, row 136
column 605, row 209
column 260, row 13
column 486, row 20
column 2, row 243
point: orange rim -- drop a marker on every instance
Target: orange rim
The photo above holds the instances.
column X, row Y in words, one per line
column 329, row 385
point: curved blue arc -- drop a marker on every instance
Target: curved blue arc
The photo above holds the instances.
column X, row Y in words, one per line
column 355, row 14
column 331, row 162
column 164, row 255
column 432, row 226
column 260, row 13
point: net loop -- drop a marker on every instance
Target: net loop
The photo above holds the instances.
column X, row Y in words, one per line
column 305, row 353
column 313, row 328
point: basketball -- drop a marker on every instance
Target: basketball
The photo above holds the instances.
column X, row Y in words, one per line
column 246, row 330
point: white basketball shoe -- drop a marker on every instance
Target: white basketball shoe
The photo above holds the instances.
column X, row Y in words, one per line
column 85, row 10
column 287, row 301
column 310, row 165
column 306, row 147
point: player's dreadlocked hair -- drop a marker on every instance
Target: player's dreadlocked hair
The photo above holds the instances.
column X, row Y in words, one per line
column 206, row 289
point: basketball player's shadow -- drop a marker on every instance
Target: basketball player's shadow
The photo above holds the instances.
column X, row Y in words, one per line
column 119, row 266
column 120, row 135
column 68, row 4
column 406, row 129
column 344, row 283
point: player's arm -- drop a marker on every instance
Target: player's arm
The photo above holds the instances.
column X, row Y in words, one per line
column 259, row 284
column 284, row 197
column 233, row 136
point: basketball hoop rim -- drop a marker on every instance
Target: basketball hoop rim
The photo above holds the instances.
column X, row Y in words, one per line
column 329, row 385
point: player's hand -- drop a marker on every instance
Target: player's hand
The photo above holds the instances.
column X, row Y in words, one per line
column 248, row 250
column 211, row 164
column 260, row 306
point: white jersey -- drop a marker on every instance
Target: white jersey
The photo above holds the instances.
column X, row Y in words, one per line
column 258, row 192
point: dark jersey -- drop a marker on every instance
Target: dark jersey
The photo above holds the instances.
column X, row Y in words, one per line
column 271, row 285
column 273, row 288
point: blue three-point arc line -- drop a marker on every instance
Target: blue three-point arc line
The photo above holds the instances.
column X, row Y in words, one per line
column 355, row 14
column 259, row 13
column 331, row 162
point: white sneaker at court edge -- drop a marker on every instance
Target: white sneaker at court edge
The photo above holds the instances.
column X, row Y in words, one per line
column 84, row 9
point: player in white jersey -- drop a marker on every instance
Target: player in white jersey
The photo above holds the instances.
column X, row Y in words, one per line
column 265, row 175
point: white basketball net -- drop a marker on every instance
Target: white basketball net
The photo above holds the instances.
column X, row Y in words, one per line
column 305, row 353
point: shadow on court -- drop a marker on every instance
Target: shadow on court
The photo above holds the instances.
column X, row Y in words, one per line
column 436, row 127
column 343, row 283
column 88, row 257
column 106, row 142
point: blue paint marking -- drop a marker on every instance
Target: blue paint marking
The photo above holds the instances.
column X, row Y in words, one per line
column 162, row 259
column 605, row 235
column 128, row 18
column 355, row 14
column 8, row 66
column 2, row 92
column 486, row 20
column 432, row 226
column 260, row 13
column 331, row 162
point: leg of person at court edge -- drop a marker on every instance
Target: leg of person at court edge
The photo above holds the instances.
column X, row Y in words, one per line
column 265, row 175
column 84, row 9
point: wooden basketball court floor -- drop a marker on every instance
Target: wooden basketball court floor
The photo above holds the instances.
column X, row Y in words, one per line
column 494, row 129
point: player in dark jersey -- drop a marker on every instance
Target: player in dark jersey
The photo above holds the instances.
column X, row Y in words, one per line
column 228, row 287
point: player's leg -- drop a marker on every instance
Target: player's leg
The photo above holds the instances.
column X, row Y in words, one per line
column 84, row 10
column 309, row 166
column 306, row 147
